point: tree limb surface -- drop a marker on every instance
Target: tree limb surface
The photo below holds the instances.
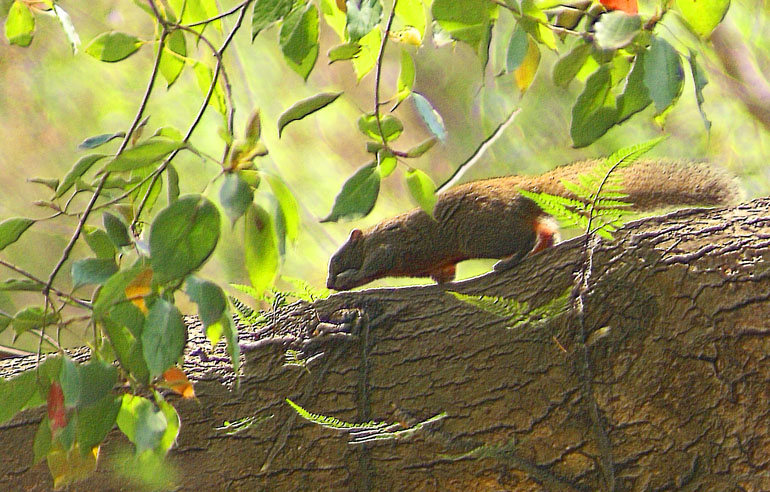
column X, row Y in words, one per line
column 661, row 382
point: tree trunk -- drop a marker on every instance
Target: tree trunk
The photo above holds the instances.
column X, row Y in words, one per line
column 653, row 375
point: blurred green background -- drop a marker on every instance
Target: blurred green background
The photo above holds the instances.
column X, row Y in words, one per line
column 52, row 100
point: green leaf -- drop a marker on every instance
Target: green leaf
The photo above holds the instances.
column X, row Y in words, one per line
column 163, row 337
column 15, row 393
column 569, row 65
column 116, row 230
column 172, row 59
column 182, row 237
column 42, row 444
column 235, row 196
column 20, row 24
column 357, row 196
column 517, row 49
column 93, row 271
column 700, row 81
column 346, row 51
column 253, row 128
column 467, row 21
column 266, row 12
column 168, row 439
column 209, row 297
column 703, row 15
column 635, row 96
column 362, row 17
column 663, row 74
column 95, row 421
column 230, row 331
column 141, row 422
column 51, row 183
column 386, row 163
column 429, row 116
column 96, row 141
column 113, row 46
column 405, row 77
column 261, row 248
column 287, row 202
column 391, row 127
column 422, row 147
column 367, row 58
column 299, row 39
column 147, row 153
column 32, row 318
column 17, row 284
column 616, row 29
column 67, row 27
column 593, row 114
column 85, row 385
column 78, row 170
column 128, row 348
column 306, row 107
column 12, row 229
column 193, row 11
column 422, row 189
column 204, row 77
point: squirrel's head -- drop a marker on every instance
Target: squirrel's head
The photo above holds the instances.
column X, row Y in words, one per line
column 345, row 265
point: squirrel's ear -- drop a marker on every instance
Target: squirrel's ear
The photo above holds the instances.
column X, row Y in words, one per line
column 355, row 235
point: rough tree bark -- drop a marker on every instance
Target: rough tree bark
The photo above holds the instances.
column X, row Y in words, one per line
column 661, row 383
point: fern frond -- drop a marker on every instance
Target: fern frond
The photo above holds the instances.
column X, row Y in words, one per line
column 305, row 291
column 334, row 423
column 499, row 306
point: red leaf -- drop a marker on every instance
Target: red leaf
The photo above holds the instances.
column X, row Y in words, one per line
column 57, row 414
column 627, row 6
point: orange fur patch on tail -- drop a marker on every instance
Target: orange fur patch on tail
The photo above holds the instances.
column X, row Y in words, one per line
column 546, row 232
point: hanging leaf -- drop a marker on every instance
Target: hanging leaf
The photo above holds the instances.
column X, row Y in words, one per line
column 569, row 65
column 357, row 196
column 594, row 111
column 266, row 12
column 663, row 74
column 362, row 17
column 525, row 73
column 20, row 24
column 12, row 229
column 260, row 248
column 518, row 46
column 429, row 116
column 113, row 46
column 306, row 107
column 703, row 15
column 700, row 81
column 182, row 237
column 172, row 60
column 422, row 189
column 147, row 153
column 616, row 29
column 299, row 39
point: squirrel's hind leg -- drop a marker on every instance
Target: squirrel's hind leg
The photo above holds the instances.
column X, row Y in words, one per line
column 444, row 274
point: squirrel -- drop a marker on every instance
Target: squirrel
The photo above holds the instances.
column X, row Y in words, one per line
column 490, row 219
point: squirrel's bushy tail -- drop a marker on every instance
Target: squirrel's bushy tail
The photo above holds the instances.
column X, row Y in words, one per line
column 654, row 183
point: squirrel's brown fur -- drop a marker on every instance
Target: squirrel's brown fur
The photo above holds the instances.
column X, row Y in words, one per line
column 490, row 219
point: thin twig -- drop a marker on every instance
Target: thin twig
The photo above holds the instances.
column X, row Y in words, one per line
column 100, row 186
column 378, row 75
column 217, row 70
column 480, row 150
column 20, row 271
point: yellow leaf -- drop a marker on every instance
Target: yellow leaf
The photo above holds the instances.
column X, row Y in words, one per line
column 70, row 466
column 139, row 288
column 525, row 74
